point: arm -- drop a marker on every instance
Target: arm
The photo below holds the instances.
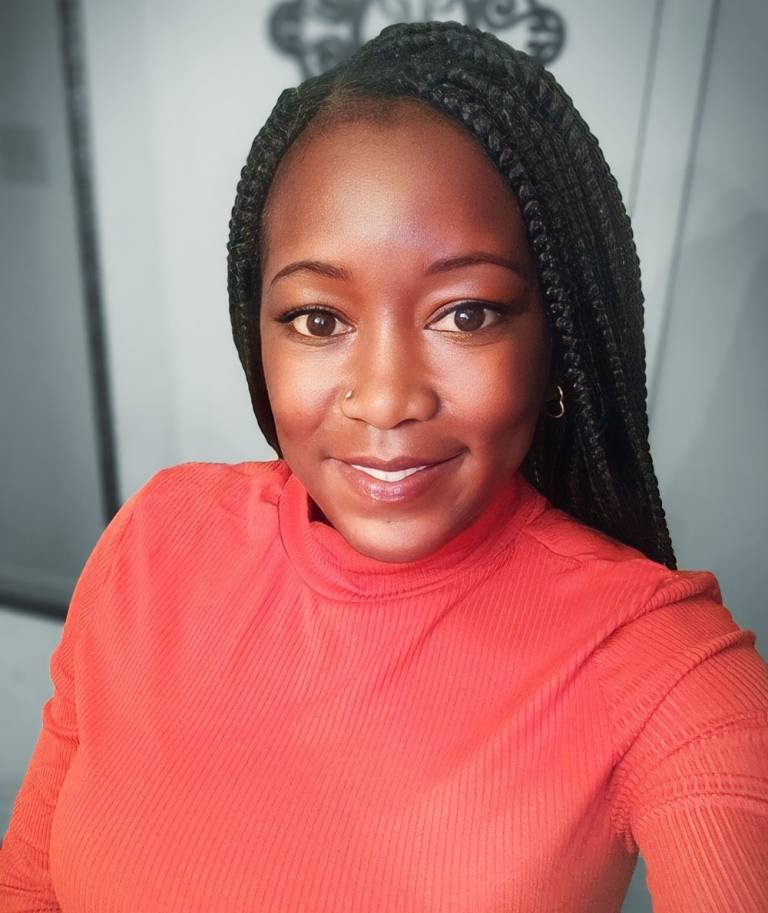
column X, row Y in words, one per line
column 25, row 884
column 702, row 823
column 688, row 694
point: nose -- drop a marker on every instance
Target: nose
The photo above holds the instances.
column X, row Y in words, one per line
column 390, row 381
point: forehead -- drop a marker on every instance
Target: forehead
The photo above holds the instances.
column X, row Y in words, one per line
column 412, row 181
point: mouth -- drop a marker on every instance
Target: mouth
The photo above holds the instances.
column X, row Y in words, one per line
column 396, row 484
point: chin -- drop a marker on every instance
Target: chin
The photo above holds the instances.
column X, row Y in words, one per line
column 387, row 542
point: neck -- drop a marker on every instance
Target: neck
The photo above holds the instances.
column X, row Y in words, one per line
column 315, row 514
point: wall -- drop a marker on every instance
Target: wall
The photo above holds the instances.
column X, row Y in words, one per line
column 709, row 416
column 50, row 499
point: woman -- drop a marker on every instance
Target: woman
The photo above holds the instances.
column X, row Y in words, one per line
column 437, row 656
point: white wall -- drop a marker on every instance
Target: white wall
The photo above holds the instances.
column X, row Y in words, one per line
column 709, row 430
column 178, row 90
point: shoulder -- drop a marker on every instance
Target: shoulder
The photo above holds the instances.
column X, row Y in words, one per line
column 640, row 618
column 182, row 504
column 173, row 519
column 194, row 487
column 573, row 541
column 177, row 483
column 615, row 578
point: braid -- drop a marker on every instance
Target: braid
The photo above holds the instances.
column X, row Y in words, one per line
column 595, row 463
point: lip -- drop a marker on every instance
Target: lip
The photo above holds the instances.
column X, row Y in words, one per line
column 406, row 489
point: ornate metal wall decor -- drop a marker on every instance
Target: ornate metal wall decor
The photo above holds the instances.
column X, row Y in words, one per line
column 321, row 33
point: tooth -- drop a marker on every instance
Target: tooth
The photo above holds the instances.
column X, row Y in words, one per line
column 389, row 476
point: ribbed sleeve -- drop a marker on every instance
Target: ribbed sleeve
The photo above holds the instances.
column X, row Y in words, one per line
column 25, row 882
column 688, row 699
column 250, row 717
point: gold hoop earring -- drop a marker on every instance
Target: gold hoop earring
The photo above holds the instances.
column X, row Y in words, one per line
column 561, row 405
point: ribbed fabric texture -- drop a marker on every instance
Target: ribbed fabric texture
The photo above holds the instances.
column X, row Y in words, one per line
column 249, row 716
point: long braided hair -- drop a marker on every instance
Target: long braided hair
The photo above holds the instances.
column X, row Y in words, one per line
column 595, row 463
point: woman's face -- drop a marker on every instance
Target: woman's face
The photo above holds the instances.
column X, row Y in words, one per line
column 413, row 251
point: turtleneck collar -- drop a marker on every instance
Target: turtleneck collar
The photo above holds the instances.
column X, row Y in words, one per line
column 331, row 566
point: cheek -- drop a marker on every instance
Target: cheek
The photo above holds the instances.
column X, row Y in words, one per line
column 298, row 395
column 501, row 396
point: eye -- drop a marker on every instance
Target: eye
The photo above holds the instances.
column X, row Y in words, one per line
column 469, row 317
column 315, row 322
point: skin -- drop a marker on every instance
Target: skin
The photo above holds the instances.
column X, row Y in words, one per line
column 383, row 202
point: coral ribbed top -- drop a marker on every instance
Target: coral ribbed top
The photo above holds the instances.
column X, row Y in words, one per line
column 249, row 716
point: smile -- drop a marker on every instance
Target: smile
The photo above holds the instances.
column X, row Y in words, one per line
column 388, row 476
column 396, row 485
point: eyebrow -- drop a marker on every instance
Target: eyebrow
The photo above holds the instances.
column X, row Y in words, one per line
column 444, row 265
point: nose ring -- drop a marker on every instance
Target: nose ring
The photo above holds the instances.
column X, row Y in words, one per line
column 348, row 394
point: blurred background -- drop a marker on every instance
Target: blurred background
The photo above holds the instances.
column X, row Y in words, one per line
column 123, row 128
